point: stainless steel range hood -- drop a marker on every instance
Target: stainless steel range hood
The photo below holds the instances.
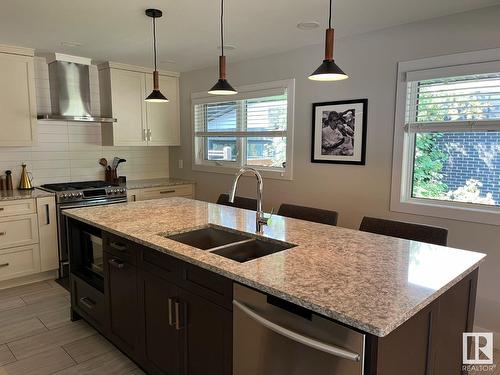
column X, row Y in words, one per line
column 70, row 90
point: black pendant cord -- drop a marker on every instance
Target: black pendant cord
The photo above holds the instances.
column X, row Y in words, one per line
column 330, row 17
column 222, row 26
column 154, row 41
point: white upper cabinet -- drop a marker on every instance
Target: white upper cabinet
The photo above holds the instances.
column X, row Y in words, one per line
column 17, row 97
column 163, row 118
column 123, row 89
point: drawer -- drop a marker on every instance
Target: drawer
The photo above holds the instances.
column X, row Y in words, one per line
column 119, row 247
column 21, row 261
column 211, row 286
column 166, row 192
column 162, row 265
column 88, row 301
column 18, row 231
column 17, row 207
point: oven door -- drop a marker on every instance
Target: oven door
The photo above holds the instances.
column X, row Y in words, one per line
column 62, row 228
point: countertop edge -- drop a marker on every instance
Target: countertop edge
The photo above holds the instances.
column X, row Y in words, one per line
column 149, row 184
column 16, row 194
column 369, row 329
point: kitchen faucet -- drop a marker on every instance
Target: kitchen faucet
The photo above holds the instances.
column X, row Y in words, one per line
column 260, row 220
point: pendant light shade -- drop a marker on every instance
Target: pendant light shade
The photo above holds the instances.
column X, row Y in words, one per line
column 222, row 87
column 328, row 70
column 156, row 96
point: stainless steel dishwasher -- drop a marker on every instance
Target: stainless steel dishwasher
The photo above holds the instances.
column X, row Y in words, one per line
column 274, row 337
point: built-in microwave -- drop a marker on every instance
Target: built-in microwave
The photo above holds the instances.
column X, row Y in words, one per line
column 86, row 253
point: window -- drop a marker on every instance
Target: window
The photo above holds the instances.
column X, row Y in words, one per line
column 254, row 128
column 447, row 139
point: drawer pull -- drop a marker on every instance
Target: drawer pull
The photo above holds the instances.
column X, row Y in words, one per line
column 3, row 233
column 116, row 263
column 47, row 213
column 178, row 316
column 118, row 246
column 87, row 302
column 167, row 191
column 4, row 264
column 170, row 317
column 1, row 208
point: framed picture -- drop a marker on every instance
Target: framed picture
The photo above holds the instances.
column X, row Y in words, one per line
column 339, row 132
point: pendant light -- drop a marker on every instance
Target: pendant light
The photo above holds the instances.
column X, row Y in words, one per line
column 222, row 87
column 156, row 96
column 328, row 71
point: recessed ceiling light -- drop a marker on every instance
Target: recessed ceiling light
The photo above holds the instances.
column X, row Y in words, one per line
column 71, row 44
column 228, row 47
column 310, row 25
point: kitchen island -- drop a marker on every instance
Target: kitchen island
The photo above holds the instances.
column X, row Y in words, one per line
column 411, row 300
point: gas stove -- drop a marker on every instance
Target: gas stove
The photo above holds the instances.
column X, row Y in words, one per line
column 75, row 195
column 71, row 192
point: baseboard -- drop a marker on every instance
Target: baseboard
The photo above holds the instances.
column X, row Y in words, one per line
column 496, row 335
column 41, row 276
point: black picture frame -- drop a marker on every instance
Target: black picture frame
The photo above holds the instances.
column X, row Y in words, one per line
column 359, row 157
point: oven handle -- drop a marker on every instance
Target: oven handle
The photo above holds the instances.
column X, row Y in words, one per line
column 297, row 337
column 64, row 207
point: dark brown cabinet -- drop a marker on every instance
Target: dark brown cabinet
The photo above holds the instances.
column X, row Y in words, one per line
column 161, row 339
column 120, row 290
column 208, row 336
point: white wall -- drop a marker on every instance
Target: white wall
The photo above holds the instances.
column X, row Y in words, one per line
column 371, row 61
column 69, row 151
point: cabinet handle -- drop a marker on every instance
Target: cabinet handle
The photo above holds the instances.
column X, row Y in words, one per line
column 167, row 191
column 47, row 212
column 1, row 208
column 144, row 136
column 170, row 317
column 177, row 306
column 150, row 132
column 3, row 233
column 118, row 246
column 4, row 264
column 116, row 263
column 87, row 302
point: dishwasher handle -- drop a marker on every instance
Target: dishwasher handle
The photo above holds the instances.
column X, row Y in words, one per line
column 305, row 340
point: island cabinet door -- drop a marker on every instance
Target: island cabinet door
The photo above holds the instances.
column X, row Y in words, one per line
column 121, row 300
column 207, row 330
column 161, row 343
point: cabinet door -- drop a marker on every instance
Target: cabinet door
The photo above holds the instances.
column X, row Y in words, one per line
column 127, row 91
column 47, row 229
column 121, row 299
column 163, row 118
column 208, row 334
column 17, row 100
column 160, row 340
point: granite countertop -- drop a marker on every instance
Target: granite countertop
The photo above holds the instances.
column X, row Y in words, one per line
column 367, row 281
column 156, row 182
column 10, row 195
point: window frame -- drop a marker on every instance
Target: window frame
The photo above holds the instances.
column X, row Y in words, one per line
column 247, row 92
column 403, row 146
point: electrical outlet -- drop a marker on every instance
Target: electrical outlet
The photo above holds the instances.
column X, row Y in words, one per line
column 181, row 164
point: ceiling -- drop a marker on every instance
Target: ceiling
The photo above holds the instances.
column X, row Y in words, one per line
column 188, row 33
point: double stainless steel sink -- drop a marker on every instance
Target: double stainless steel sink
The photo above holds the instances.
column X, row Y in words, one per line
column 235, row 245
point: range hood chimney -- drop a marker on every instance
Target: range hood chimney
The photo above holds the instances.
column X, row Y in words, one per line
column 70, row 90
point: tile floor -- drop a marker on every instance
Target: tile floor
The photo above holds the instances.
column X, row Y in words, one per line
column 38, row 338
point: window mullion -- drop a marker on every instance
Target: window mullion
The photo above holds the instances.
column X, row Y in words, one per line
column 242, row 155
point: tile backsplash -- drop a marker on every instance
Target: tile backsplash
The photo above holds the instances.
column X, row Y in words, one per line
column 69, row 151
